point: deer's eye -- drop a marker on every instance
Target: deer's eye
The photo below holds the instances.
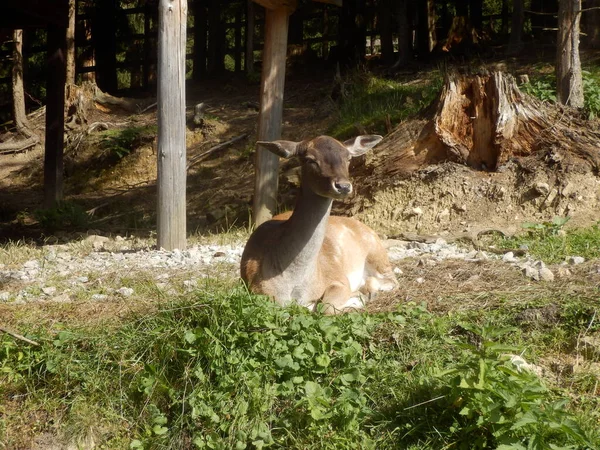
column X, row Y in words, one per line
column 312, row 161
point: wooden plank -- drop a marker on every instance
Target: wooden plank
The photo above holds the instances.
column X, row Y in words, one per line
column 289, row 5
column 55, row 118
column 171, row 150
column 271, row 112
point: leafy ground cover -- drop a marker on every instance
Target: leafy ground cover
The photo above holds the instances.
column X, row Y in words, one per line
column 221, row 368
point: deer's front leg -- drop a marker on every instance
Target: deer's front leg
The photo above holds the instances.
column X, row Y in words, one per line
column 338, row 298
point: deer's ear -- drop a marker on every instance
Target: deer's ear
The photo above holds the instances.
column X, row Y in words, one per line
column 285, row 149
column 362, row 144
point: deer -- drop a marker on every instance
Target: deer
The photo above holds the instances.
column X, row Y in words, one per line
column 309, row 256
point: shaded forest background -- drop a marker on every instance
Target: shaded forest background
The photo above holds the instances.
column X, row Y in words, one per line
column 115, row 40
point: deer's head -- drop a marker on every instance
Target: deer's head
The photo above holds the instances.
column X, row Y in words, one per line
column 325, row 161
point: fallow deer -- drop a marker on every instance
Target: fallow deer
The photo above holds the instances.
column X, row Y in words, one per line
column 307, row 255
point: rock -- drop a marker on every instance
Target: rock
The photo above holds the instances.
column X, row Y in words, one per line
column 398, row 271
column 546, row 274
column 539, row 265
column 443, row 215
column 50, row 290
column 82, row 279
column 576, row 260
column 481, row 256
column 426, row 262
column 219, row 255
column 509, row 257
column 96, row 241
column 563, row 272
column 4, row 296
column 541, row 188
column 32, row 264
column 125, row 291
column 420, row 280
column 460, row 208
column 62, row 298
column 99, row 297
column 531, row 273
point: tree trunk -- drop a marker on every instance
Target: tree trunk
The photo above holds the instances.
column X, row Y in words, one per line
column 216, row 39
column 404, row 33
column 352, row 28
column 592, row 23
column 569, row 83
column 105, row 44
column 71, row 43
column 516, row 27
column 249, row 57
column 19, row 112
column 88, row 56
column 200, row 31
column 426, row 38
column 18, row 91
column 483, row 121
column 476, row 14
column 384, row 18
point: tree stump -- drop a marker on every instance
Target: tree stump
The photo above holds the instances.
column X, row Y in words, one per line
column 482, row 121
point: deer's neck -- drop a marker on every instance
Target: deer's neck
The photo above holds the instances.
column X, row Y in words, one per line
column 305, row 232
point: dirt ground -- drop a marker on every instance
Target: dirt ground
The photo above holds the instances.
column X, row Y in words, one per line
column 446, row 199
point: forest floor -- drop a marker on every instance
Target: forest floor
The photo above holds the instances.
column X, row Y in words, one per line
column 52, row 261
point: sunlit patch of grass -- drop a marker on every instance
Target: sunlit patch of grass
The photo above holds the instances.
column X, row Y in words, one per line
column 220, row 368
column 551, row 243
column 371, row 101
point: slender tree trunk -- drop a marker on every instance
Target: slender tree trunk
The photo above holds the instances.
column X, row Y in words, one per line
column 216, row 39
column 249, row 59
column 426, row 37
column 592, row 23
column 516, row 27
column 18, row 91
column 504, row 17
column 404, row 33
column 71, row 43
column 200, row 30
column 88, row 57
column 568, row 65
column 105, row 44
column 476, row 13
column 384, row 17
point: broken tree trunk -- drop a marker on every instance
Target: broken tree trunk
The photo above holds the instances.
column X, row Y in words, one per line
column 483, row 121
column 22, row 126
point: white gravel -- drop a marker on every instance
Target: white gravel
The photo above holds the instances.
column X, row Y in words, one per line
column 62, row 271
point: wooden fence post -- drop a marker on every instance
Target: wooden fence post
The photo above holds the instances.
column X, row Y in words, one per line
column 172, row 22
column 271, row 111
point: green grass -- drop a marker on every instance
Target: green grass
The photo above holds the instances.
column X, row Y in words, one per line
column 223, row 369
column 370, row 100
column 549, row 242
column 544, row 88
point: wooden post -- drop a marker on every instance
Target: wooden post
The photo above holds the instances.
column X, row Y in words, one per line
column 172, row 21
column 55, row 117
column 271, row 112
